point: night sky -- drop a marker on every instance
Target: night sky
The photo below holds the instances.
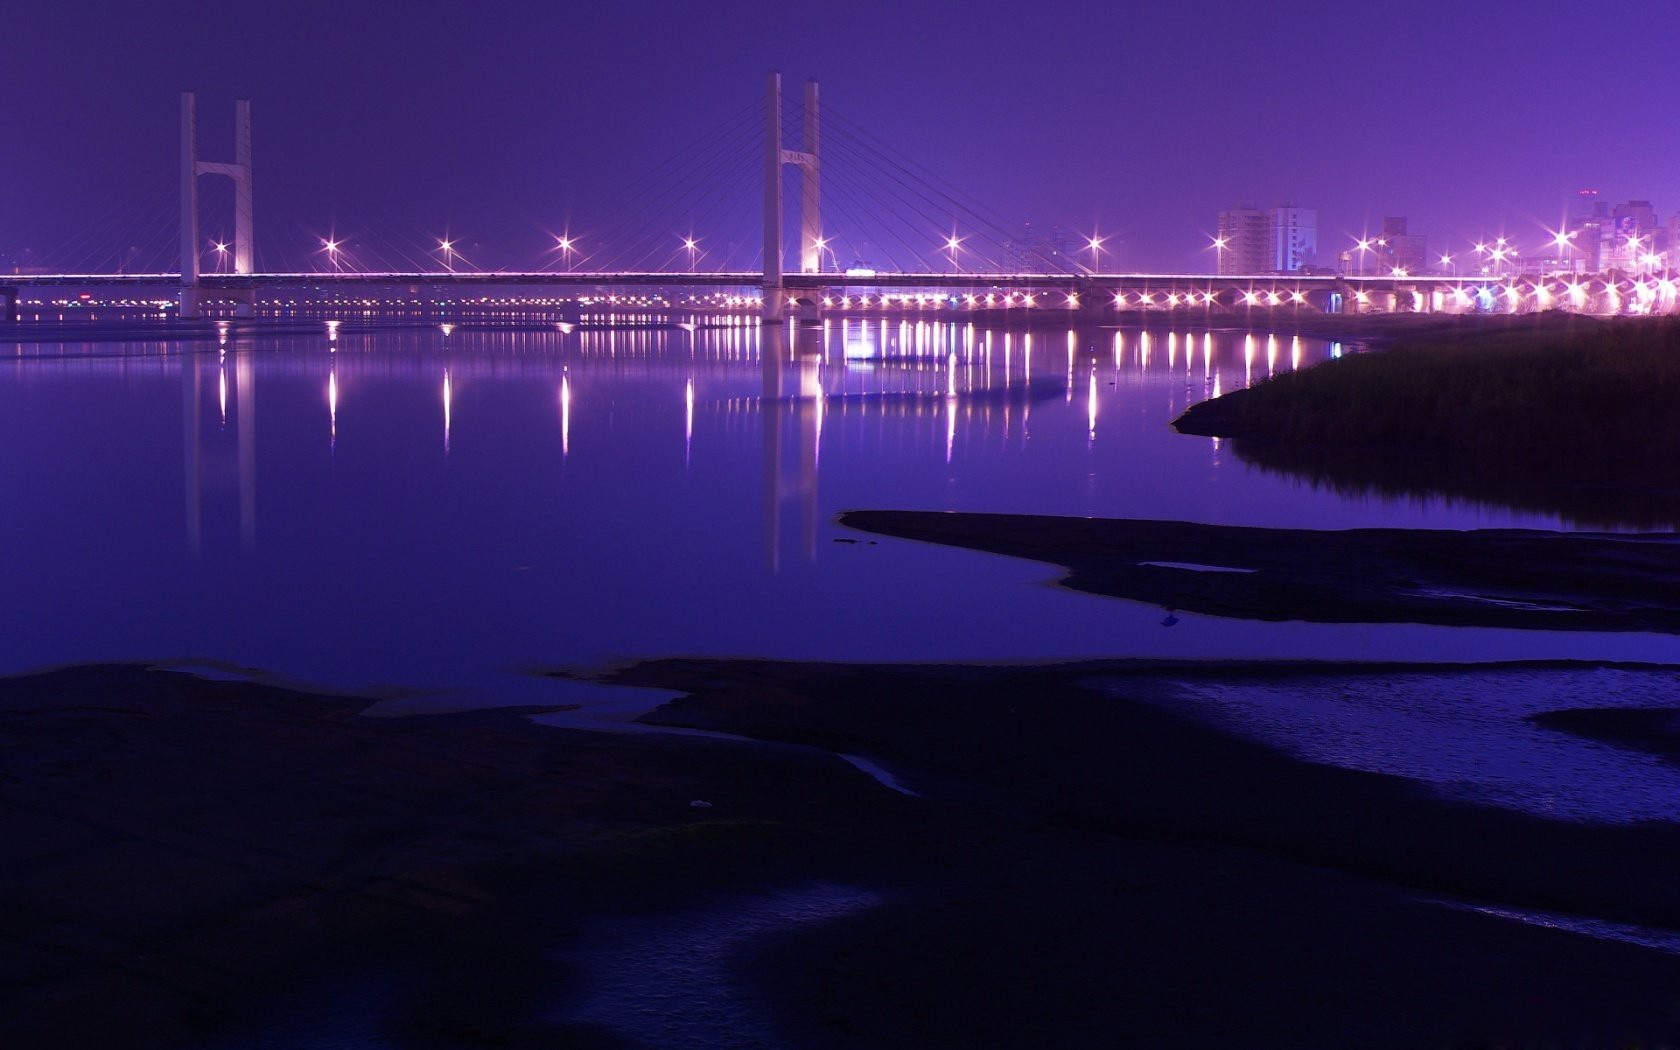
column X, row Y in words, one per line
column 504, row 122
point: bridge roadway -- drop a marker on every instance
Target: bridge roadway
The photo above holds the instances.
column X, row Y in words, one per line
column 792, row 282
column 1089, row 292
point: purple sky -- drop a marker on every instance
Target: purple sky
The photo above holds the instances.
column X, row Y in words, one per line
column 389, row 122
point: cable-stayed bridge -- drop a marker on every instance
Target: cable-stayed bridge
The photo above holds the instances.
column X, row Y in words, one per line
column 875, row 231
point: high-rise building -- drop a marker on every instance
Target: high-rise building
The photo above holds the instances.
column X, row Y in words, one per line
column 1038, row 251
column 1630, row 238
column 1294, row 238
column 1244, row 241
column 1398, row 249
column 1267, row 240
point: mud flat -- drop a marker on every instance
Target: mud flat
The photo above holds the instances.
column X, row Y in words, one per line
column 1484, row 578
column 223, row 864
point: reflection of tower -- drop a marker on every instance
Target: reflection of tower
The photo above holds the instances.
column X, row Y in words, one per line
column 193, row 466
column 802, row 408
column 192, row 479
column 245, row 400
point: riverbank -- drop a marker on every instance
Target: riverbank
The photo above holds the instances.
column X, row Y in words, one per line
column 1572, row 416
column 223, row 864
column 1483, row 578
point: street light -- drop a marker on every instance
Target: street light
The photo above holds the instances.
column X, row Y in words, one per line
column 821, row 245
column 690, row 244
column 330, row 246
column 1094, row 243
column 564, row 243
column 448, row 248
column 1219, row 246
column 1364, row 246
column 1447, row 260
column 952, row 243
column 221, row 256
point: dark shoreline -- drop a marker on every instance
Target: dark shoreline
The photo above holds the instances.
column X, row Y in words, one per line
column 193, row 860
column 1486, row 578
column 1569, row 415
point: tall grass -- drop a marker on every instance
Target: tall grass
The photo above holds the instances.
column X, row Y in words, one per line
column 1580, row 390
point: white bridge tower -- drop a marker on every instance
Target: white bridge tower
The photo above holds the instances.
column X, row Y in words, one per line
column 240, row 172
column 810, row 207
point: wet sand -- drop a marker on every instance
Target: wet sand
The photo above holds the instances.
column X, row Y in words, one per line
column 201, row 863
column 1483, row 578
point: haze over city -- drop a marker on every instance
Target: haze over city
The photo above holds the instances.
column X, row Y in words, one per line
column 505, row 122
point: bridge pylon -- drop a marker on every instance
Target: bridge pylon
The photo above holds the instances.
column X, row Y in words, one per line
column 810, row 197
column 240, row 172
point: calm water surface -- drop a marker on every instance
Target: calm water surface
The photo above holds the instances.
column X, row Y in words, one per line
column 415, row 508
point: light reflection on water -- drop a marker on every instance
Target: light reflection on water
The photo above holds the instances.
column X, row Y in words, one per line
column 1465, row 733
column 427, row 506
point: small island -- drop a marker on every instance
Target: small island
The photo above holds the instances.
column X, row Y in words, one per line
column 1565, row 414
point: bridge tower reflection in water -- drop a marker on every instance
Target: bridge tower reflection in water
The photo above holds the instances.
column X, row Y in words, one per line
column 201, row 470
column 791, row 415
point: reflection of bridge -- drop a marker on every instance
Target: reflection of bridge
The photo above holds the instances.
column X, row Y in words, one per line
column 811, row 290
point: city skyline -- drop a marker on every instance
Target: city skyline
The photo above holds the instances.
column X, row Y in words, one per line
column 342, row 99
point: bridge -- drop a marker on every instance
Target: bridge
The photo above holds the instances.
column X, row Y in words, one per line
column 811, row 290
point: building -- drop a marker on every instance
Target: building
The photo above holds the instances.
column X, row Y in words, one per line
column 1294, row 239
column 1244, row 241
column 1040, row 251
column 1398, row 249
column 1267, row 240
column 1630, row 240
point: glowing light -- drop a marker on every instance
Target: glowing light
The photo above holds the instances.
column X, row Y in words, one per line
column 565, row 415
column 448, row 397
column 1091, row 408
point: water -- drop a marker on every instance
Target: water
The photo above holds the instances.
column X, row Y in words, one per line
column 1467, row 734
column 429, row 512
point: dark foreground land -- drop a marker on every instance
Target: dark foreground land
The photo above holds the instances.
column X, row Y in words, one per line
column 1555, row 413
column 1484, row 578
column 198, row 863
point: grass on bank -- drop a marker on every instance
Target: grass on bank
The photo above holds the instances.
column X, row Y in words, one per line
column 1568, row 390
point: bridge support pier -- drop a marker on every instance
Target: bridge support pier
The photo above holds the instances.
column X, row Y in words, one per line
column 810, row 222
column 240, row 172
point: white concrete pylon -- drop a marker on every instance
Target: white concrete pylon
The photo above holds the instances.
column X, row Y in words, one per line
column 810, row 206
column 191, row 168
